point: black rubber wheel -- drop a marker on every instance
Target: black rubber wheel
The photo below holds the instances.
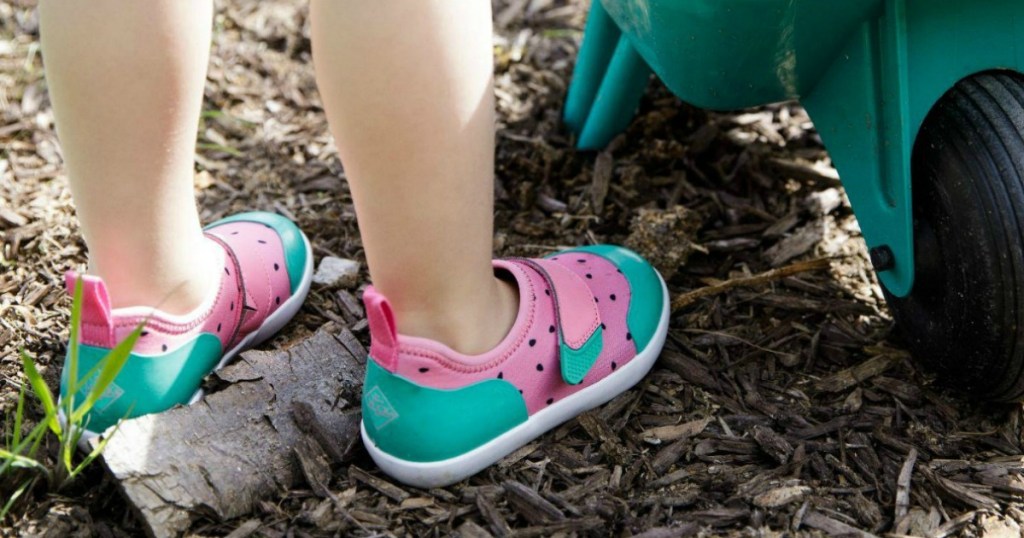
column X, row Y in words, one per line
column 965, row 314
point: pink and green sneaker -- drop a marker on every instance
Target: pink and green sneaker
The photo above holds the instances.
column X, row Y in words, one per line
column 267, row 269
column 591, row 323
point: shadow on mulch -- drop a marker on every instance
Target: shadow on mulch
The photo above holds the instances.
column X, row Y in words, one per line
column 776, row 408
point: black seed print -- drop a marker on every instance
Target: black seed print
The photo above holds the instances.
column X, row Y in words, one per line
column 614, row 365
column 234, row 232
column 277, row 300
column 164, row 347
column 226, row 272
column 619, row 270
column 144, row 333
column 276, row 267
column 533, row 342
column 520, row 391
column 612, row 297
column 629, row 336
column 551, row 401
column 590, row 275
column 603, row 327
column 424, row 370
column 540, row 367
column 581, row 260
column 218, row 327
column 547, row 292
column 260, row 241
column 596, row 300
column 501, row 375
column 232, row 306
column 551, row 329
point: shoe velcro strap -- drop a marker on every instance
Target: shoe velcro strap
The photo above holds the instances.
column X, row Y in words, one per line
column 576, row 318
column 237, row 310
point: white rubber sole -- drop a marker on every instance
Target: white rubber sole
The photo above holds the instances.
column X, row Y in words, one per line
column 271, row 326
column 446, row 472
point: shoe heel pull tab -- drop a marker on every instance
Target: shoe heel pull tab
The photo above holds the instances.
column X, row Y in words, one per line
column 97, row 322
column 383, row 331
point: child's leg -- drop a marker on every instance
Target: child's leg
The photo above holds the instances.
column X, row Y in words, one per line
column 126, row 81
column 407, row 87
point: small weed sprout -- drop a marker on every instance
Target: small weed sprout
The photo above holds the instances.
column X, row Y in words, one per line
column 65, row 418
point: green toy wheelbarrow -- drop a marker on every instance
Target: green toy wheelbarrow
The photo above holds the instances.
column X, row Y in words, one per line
column 904, row 93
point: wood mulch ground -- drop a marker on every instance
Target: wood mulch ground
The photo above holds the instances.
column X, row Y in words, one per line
column 780, row 406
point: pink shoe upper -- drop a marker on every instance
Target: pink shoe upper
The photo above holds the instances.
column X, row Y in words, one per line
column 253, row 285
column 592, row 295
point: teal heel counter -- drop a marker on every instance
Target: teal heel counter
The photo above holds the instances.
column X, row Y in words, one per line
column 423, row 424
column 146, row 383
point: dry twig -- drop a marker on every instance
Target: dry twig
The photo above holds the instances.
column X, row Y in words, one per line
column 690, row 297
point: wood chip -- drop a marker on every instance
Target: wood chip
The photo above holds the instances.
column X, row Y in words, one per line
column 499, row 526
column 781, row 496
column 833, row 527
column 677, row 431
column 903, row 485
column 245, row 529
column 529, row 504
column 849, row 377
column 471, row 530
column 603, row 166
column 772, row 443
column 389, row 490
column 314, row 465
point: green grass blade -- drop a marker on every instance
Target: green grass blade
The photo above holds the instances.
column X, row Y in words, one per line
column 113, row 363
column 96, row 451
column 74, row 339
column 14, row 497
column 73, row 386
column 18, row 461
column 31, row 440
column 42, row 391
column 19, row 414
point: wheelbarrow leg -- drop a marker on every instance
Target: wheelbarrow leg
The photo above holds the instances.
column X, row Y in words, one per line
column 617, row 98
column 599, row 40
column 608, row 82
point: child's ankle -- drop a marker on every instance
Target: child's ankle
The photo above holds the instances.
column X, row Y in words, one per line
column 176, row 293
column 475, row 325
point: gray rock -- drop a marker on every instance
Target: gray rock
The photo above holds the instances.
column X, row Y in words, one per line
column 337, row 272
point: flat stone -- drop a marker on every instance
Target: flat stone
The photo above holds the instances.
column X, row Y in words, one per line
column 337, row 272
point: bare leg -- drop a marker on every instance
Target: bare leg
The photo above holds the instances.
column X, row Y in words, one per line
column 126, row 80
column 408, row 90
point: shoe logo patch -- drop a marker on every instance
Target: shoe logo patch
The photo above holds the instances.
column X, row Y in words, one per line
column 109, row 396
column 381, row 410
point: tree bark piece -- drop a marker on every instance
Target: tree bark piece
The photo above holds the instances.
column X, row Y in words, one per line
column 238, row 446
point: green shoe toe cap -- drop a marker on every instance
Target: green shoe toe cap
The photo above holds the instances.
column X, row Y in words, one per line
column 646, row 295
column 296, row 253
column 423, row 424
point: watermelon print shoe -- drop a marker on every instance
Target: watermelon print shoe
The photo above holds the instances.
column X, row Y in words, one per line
column 267, row 269
column 591, row 323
